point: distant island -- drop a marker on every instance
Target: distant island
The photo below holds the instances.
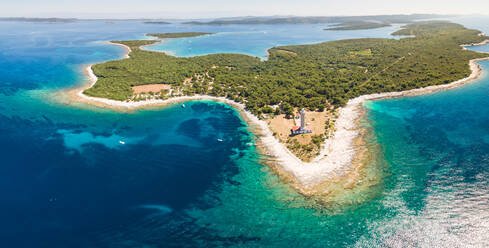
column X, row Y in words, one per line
column 40, row 20
column 348, row 22
column 177, row 35
column 328, row 80
column 156, row 22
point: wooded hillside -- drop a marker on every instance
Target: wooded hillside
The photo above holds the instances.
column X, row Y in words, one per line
column 310, row 76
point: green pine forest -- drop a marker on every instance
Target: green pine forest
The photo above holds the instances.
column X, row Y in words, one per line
column 177, row 35
column 310, row 76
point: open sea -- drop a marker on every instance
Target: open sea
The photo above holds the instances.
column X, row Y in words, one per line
column 73, row 175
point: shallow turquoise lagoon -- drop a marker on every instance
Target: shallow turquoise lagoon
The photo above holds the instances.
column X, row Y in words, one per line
column 80, row 176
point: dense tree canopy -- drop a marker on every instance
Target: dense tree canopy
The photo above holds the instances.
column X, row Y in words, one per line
column 177, row 35
column 309, row 76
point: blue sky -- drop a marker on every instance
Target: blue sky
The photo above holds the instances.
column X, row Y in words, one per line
column 222, row 8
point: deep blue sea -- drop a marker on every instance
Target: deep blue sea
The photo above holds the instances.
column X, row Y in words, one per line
column 67, row 180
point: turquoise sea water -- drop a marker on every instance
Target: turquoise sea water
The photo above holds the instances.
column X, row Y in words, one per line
column 66, row 180
column 255, row 40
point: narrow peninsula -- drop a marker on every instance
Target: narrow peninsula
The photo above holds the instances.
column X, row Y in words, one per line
column 358, row 25
column 329, row 81
column 178, row 35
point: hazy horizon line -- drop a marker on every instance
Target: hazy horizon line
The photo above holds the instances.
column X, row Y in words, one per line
column 224, row 17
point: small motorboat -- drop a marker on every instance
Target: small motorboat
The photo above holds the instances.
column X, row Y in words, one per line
column 183, row 105
column 220, row 140
column 122, row 142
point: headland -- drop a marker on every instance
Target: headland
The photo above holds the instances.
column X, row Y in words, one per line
column 340, row 154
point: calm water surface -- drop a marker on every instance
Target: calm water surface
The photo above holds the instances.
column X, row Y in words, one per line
column 67, row 181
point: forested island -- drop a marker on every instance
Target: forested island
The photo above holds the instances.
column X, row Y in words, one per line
column 177, row 35
column 340, row 20
column 319, row 77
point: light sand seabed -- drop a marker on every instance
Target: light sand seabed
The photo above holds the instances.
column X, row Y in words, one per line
column 338, row 153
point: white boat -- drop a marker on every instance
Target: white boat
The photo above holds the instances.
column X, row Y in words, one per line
column 183, row 105
column 122, row 142
column 220, row 140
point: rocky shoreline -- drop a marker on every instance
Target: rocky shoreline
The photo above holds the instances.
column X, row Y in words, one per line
column 338, row 153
